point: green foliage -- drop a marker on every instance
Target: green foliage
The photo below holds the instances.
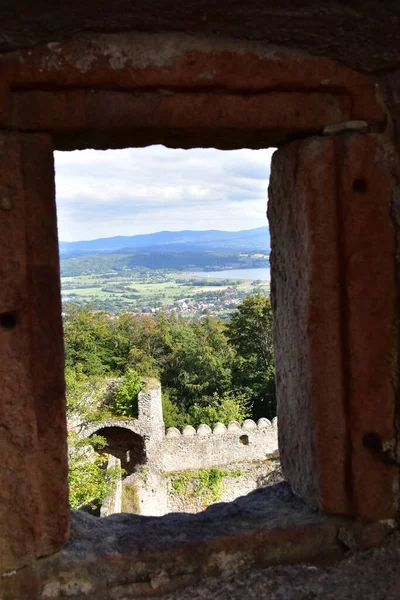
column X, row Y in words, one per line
column 88, row 478
column 199, row 362
column 209, row 370
column 84, row 394
column 172, row 416
column 125, row 402
column 250, row 333
column 223, row 409
column 87, row 341
column 206, row 484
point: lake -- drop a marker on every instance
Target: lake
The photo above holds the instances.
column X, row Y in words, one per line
column 249, row 274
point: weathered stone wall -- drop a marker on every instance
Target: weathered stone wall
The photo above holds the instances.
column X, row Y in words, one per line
column 217, row 89
column 363, row 34
column 112, row 504
column 190, row 449
column 206, row 448
column 145, row 492
column 333, row 254
column 147, row 453
column 191, row 491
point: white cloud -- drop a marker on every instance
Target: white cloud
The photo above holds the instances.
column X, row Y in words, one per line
column 143, row 190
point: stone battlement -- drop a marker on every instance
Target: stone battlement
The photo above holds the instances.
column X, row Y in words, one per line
column 191, row 448
column 232, row 428
column 207, row 447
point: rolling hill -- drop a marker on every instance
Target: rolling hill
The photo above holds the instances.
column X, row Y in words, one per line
column 253, row 240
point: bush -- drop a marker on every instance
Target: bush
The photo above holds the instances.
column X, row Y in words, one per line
column 89, row 481
column 206, row 484
column 125, row 403
column 171, row 414
column 223, row 409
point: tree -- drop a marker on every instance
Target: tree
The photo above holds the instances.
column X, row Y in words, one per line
column 132, row 345
column 171, row 414
column 125, row 401
column 199, row 362
column 88, row 480
column 220, row 409
column 87, row 341
column 250, row 332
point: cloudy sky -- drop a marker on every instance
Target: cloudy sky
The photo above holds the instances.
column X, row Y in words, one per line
column 143, row 190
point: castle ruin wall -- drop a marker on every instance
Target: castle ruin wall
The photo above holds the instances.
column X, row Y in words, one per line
column 206, row 448
column 173, row 450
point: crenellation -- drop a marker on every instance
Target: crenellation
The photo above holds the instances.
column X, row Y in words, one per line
column 263, row 423
column 233, row 426
column 219, row 429
column 249, row 425
column 188, row 430
column 221, row 446
column 203, row 430
column 173, row 432
column 190, row 448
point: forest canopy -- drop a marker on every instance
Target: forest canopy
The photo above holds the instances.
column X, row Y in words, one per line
column 206, row 368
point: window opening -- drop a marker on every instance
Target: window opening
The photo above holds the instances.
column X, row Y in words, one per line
column 165, row 280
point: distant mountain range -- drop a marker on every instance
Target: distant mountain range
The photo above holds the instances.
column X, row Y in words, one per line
column 248, row 240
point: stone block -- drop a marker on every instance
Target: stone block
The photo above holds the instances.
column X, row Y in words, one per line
column 33, row 469
column 278, row 114
column 129, row 556
column 333, row 253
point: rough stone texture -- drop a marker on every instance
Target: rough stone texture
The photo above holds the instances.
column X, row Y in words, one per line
column 240, row 479
column 373, row 575
column 115, row 119
column 125, row 556
column 205, row 450
column 392, row 97
column 146, row 490
column 370, row 319
column 246, row 94
column 363, row 34
column 151, row 416
column 333, row 251
column 113, row 502
column 305, row 297
column 33, row 466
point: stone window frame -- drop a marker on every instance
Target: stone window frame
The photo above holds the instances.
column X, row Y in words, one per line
column 115, row 91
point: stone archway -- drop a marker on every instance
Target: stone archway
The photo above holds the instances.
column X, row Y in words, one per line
column 125, row 445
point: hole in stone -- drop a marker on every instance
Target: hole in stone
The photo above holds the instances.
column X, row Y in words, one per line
column 8, row 320
column 372, row 442
column 360, row 186
column 244, row 439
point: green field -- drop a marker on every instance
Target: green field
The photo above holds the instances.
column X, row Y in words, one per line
column 159, row 290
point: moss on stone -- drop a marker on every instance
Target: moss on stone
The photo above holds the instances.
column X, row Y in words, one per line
column 130, row 498
column 150, row 384
column 204, row 483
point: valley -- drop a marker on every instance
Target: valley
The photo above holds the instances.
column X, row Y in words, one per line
column 172, row 272
column 148, row 291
